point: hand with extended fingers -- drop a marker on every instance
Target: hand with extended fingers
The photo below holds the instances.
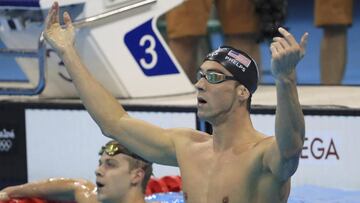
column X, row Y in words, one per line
column 286, row 52
column 58, row 37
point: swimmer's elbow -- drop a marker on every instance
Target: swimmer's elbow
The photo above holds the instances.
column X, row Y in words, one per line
column 110, row 124
column 112, row 128
column 290, row 160
column 106, row 132
column 293, row 151
column 291, row 146
column 288, row 168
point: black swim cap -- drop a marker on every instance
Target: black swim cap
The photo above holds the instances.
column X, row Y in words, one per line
column 238, row 63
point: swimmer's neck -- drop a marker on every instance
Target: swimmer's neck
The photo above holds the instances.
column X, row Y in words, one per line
column 233, row 132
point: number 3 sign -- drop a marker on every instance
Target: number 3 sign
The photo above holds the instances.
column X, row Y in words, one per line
column 148, row 51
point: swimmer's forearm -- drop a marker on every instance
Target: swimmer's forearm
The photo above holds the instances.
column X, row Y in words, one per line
column 143, row 138
column 289, row 123
column 56, row 189
column 99, row 102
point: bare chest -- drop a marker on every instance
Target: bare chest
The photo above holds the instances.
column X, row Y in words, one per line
column 228, row 177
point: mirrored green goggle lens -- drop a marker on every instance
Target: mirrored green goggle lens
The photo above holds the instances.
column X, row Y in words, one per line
column 211, row 77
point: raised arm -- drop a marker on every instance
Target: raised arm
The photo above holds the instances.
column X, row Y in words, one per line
column 283, row 155
column 80, row 191
column 149, row 141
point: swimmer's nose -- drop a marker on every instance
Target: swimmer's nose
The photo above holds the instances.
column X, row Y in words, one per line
column 200, row 84
column 98, row 172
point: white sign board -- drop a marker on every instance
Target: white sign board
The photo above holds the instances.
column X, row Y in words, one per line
column 65, row 143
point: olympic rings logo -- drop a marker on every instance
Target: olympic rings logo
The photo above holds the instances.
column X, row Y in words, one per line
column 5, row 145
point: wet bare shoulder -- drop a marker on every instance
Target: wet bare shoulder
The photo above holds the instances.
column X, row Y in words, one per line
column 257, row 145
column 265, row 141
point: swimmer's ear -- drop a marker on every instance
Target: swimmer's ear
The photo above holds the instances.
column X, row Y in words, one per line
column 242, row 92
column 137, row 176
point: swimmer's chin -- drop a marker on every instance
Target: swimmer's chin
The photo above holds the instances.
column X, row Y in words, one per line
column 202, row 115
column 100, row 197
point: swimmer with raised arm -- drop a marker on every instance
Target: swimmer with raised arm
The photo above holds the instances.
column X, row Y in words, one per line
column 234, row 164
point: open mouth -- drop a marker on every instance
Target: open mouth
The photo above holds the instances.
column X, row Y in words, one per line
column 201, row 100
column 99, row 185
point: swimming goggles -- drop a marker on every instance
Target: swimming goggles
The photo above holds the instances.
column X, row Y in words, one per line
column 214, row 77
column 113, row 149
